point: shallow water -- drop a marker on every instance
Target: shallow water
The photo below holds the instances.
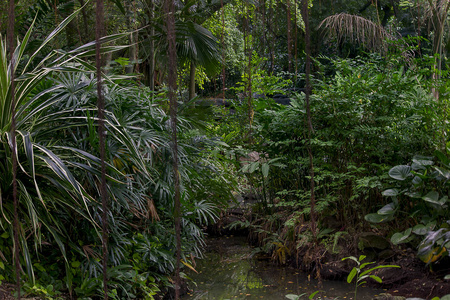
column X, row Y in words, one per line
column 228, row 271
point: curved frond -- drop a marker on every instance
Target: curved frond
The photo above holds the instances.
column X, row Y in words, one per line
column 355, row 29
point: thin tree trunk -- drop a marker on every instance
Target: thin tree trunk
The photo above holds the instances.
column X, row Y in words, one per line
column 264, row 37
column 85, row 21
column 223, row 49
column 289, row 41
column 99, row 32
column 248, row 49
column 71, row 29
column 132, row 39
column 133, row 53
column 136, row 41
column 192, row 81
column 309, row 117
column 152, row 49
column 172, row 80
column 295, row 44
column 438, row 21
column 3, row 14
column 10, row 33
column 272, row 48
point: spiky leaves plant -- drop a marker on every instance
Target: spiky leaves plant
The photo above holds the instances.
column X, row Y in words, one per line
column 47, row 167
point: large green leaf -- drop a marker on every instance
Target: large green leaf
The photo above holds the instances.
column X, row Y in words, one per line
column 388, row 209
column 265, row 169
column 352, row 275
column 377, row 218
column 420, row 229
column 401, row 237
column 432, row 197
column 400, row 172
column 390, row 192
column 423, row 160
column 442, row 157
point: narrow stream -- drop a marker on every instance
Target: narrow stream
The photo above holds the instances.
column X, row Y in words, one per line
column 228, row 271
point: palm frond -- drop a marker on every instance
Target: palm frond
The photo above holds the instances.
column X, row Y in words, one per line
column 355, row 29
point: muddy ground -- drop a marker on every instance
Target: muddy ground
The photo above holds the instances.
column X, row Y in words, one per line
column 414, row 279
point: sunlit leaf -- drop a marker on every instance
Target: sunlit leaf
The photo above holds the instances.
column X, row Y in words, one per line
column 352, row 275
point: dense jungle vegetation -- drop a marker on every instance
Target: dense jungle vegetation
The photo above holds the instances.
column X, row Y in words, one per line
column 356, row 144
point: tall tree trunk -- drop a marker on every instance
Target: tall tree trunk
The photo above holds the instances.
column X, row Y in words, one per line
column 3, row 14
column 295, row 44
column 309, row 117
column 99, row 32
column 264, row 37
column 440, row 12
column 132, row 55
column 71, row 29
column 172, row 80
column 85, row 22
column 152, row 49
column 10, row 33
column 272, row 48
column 223, row 49
column 248, row 50
column 289, row 40
column 192, row 81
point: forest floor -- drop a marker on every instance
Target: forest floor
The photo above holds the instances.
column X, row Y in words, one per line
column 6, row 290
column 413, row 279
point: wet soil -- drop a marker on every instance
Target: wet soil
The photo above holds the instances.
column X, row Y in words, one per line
column 414, row 279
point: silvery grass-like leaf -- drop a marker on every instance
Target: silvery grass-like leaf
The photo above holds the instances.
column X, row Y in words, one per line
column 49, row 170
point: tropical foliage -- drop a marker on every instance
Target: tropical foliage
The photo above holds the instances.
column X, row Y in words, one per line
column 59, row 177
column 380, row 97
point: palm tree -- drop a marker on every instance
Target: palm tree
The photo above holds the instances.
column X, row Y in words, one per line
column 195, row 45
column 199, row 47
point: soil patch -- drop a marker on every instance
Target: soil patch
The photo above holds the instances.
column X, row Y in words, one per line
column 413, row 279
